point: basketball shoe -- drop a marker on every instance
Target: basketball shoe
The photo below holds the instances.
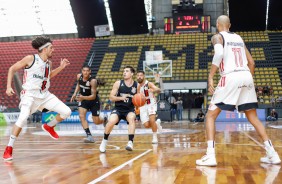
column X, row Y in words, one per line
column 51, row 131
column 129, row 146
column 208, row 159
column 7, row 156
column 271, row 158
column 160, row 128
column 103, row 146
column 89, row 139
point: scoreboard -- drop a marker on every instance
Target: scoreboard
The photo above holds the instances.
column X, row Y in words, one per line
column 187, row 23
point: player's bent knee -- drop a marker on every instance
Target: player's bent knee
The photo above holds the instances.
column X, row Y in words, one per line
column 66, row 113
column 22, row 120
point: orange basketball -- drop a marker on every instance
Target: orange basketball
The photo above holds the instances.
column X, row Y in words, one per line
column 138, row 100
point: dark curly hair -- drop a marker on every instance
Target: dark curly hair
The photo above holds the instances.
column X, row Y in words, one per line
column 39, row 41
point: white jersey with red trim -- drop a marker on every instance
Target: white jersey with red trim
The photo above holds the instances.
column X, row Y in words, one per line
column 234, row 55
column 149, row 95
column 36, row 79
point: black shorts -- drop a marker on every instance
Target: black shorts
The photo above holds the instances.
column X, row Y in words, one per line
column 91, row 105
column 122, row 114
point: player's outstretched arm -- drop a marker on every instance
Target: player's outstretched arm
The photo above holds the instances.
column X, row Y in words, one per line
column 77, row 88
column 25, row 62
column 63, row 64
column 153, row 88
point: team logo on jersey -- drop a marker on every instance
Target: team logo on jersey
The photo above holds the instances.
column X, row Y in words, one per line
column 162, row 105
column 133, row 89
column 87, row 83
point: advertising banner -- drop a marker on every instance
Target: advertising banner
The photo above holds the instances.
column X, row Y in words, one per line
column 238, row 117
column 11, row 117
column 74, row 117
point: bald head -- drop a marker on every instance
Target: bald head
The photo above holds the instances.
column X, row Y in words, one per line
column 223, row 23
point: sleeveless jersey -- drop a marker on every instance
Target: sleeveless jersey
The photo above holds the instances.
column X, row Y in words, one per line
column 36, row 78
column 234, row 55
column 85, row 86
column 123, row 90
column 149, row 95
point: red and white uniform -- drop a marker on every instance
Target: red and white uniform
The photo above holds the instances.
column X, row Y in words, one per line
column 150, row 106
column 236, row 87
column 36, row 79
column 35, row 95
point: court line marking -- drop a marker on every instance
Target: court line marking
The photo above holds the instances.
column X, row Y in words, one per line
column 253, row 139
column 119, row 167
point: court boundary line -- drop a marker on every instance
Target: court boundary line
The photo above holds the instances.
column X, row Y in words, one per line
column 253, row 139
column 119, row 167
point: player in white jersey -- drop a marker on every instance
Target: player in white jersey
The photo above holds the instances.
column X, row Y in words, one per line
column 35, row 95
column 148, row 111
column 235, row 89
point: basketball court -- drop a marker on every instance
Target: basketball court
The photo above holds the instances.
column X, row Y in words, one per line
column 40, row 159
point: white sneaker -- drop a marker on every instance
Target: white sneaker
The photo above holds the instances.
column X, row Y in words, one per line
column 89, row 139
column 129, row 146
column 271, row 158
column 160, row 128
column 103, row 146
column 155, row 140
column 207, row 160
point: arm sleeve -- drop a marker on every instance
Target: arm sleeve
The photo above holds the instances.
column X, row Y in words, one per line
column 218, row 54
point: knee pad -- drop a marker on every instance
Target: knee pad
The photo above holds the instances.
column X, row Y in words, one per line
column 65, row 113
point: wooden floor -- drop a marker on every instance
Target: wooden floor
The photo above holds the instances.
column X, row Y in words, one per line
column 39, row 159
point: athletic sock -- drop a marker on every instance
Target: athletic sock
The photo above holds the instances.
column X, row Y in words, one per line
column 12, row 140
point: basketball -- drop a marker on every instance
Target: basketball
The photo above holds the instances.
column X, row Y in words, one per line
column 138, row 100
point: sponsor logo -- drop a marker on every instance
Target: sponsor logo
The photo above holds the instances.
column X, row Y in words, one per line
column 242, row 86
column 37, row 76
column 49, row 117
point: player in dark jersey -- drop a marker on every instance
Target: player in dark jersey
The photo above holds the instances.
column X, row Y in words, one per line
column 87, row 96
column 121, row 94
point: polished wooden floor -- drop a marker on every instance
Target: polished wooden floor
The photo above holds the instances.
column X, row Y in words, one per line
column 39, row 159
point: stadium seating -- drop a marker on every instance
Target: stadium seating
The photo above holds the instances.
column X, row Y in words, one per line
column 75, row 50
column 191, row 55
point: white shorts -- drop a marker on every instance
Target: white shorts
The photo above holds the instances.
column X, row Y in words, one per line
column 146, row 111
column 50, row 102
column 235, row 90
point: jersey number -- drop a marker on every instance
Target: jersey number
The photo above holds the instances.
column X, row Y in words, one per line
column 238, row 57
column 46, row 74
column 43, row 85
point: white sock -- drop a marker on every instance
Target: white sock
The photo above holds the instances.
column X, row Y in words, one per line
column 12, row 140
column 53, row 122
column 269, row 146
column 210, row 149
column 211, row 144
